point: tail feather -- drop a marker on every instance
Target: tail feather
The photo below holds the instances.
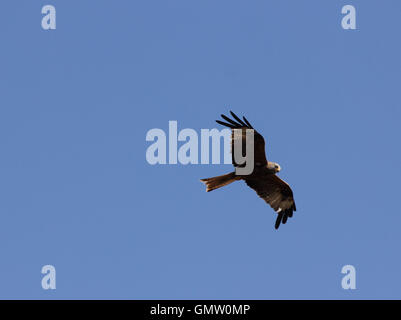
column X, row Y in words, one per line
column 220, row 181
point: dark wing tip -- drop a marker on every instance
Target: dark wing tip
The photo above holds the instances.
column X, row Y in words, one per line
column 247, row 122
column 278, row 220
column 237, row 125
column 232, row 124
column 226, row 124
column 238, row 119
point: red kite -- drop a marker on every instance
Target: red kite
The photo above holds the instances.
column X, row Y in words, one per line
column 276, row 192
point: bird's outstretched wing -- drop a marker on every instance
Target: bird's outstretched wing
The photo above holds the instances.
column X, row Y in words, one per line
column 277, row 193
column 259, row 142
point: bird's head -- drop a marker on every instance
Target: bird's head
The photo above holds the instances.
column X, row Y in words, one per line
column 275, row 167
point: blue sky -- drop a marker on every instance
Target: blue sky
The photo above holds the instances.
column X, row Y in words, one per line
column 77, row 192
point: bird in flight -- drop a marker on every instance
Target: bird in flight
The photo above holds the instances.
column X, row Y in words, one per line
column 263, row 179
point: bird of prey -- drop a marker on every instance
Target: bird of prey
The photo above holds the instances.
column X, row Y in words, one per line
column 263, row 179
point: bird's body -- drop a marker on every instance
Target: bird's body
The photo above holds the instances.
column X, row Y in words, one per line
column 263, row 179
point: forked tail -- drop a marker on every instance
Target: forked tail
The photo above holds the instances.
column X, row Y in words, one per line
column 220, row 181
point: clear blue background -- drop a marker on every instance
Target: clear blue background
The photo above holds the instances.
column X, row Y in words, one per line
column 76, row 190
